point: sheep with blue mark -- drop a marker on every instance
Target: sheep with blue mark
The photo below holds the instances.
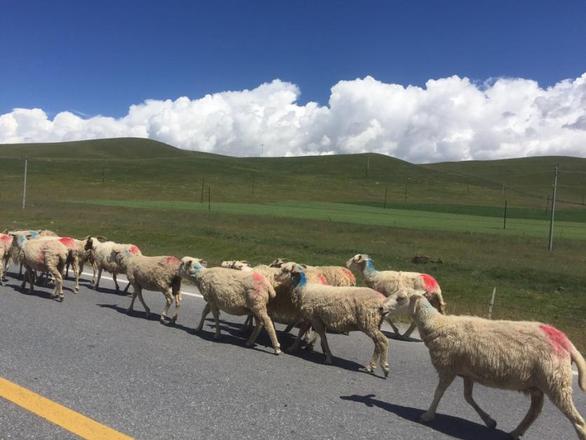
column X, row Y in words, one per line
column 237, row 292
column 340, row 309
column 389, row 282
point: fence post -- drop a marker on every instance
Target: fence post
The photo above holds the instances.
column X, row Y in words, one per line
column 491, row 304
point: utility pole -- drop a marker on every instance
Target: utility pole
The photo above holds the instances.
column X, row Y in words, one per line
column 24, row 184
column 505, row 217
column 203, row 182
column 551, row 220
column 367, row 166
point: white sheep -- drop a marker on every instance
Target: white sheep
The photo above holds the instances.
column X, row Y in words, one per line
column 341, row 309
column 332, row 275
column 389, row 282
column 104, row 257
column 5, row 246
column 530, row 357
column 233, row 291
column 45, row 256
column 152, row 273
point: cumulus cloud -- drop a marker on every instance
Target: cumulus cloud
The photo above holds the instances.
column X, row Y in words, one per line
column 447, row 119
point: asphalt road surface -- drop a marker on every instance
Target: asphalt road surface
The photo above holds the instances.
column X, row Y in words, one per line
column 151, row 381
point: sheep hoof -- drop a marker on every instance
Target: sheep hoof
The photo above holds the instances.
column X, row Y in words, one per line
column 491, row 424
column 386, row 371
column 427, row 417
column 328, row 361
column 76, row 290
column 513, row 435
column 277, row 351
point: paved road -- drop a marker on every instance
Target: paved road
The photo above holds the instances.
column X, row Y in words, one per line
column 151, row 381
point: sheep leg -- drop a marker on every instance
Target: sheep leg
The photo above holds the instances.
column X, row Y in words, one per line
column 562, row 398
column 263, row 319
column 177, row 296
column 532, row 414
column 134, row 295
column 305, row 326
column 383, row 352
column 407, row 334
column 97, row 284
column 445, row 380
column 20, row 271
column 393, row 326
column 489, row 421
column 126, row 289
column 168, row 302
column 204, row 314
column 252, row 338
column 75, row 267
column 58, row 290
column 141, row 299
column 115, row 282
column 321, row 331
column 216, row 313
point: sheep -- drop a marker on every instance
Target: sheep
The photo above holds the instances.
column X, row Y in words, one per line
column 232, row 291
column 388, row 282
column 236, row 264
column 152, row 273
column 5, row 246
column 340, row 309
column 102, row 252
column 16, row 251
column 332, row 275
column 46, row 256
column 530, row 357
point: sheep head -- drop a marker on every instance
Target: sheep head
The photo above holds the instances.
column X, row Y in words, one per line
column 278, row 262
column 235, row 264
column 358, row 261
column 291, row 271
column 190, row 266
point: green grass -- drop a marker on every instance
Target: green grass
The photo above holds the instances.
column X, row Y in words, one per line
column 367, row 215
column 322, row 210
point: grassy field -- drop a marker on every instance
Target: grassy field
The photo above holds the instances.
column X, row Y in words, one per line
column 368, row 215
column 321, row 210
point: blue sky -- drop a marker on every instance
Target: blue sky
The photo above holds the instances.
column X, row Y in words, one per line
column 99, row 58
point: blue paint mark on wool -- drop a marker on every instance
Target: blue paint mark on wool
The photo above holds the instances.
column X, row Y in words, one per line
column 369, row 266
column 302, row 280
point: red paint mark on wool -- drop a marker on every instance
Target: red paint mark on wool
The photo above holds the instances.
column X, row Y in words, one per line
column 430, row 282
column 257, row 277
column 5, row 238
column 172, row 260
column 322, row 279
column 133, row 249
column 558, row 340
column 349, row 274
column 68, row 242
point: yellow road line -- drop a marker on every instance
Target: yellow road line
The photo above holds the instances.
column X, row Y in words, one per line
column 58, row 414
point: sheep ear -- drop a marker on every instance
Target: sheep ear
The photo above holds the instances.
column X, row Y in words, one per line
column 204, row 263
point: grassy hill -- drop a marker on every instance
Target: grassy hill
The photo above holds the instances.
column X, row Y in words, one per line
column 322, row 210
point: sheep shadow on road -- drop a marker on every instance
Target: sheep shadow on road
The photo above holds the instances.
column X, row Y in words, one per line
column 453, row 426
column 229, row 331
column 38, row 291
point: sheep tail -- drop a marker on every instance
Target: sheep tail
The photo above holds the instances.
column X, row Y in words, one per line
column 578, row 359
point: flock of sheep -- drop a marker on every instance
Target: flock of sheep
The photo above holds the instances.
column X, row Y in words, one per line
column 530, row 357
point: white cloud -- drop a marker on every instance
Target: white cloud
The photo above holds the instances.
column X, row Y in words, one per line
column 448, row 119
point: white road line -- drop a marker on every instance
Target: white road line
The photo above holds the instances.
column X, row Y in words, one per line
column 195, row 295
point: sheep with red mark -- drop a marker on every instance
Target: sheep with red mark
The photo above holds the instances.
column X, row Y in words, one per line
column 340, row 309
column 152, row 273
column 529, row 357
column 389, row 282
column 5, row 246
column 238, row 292
column 103, row 253
column 332, row 275
column 47, row 256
